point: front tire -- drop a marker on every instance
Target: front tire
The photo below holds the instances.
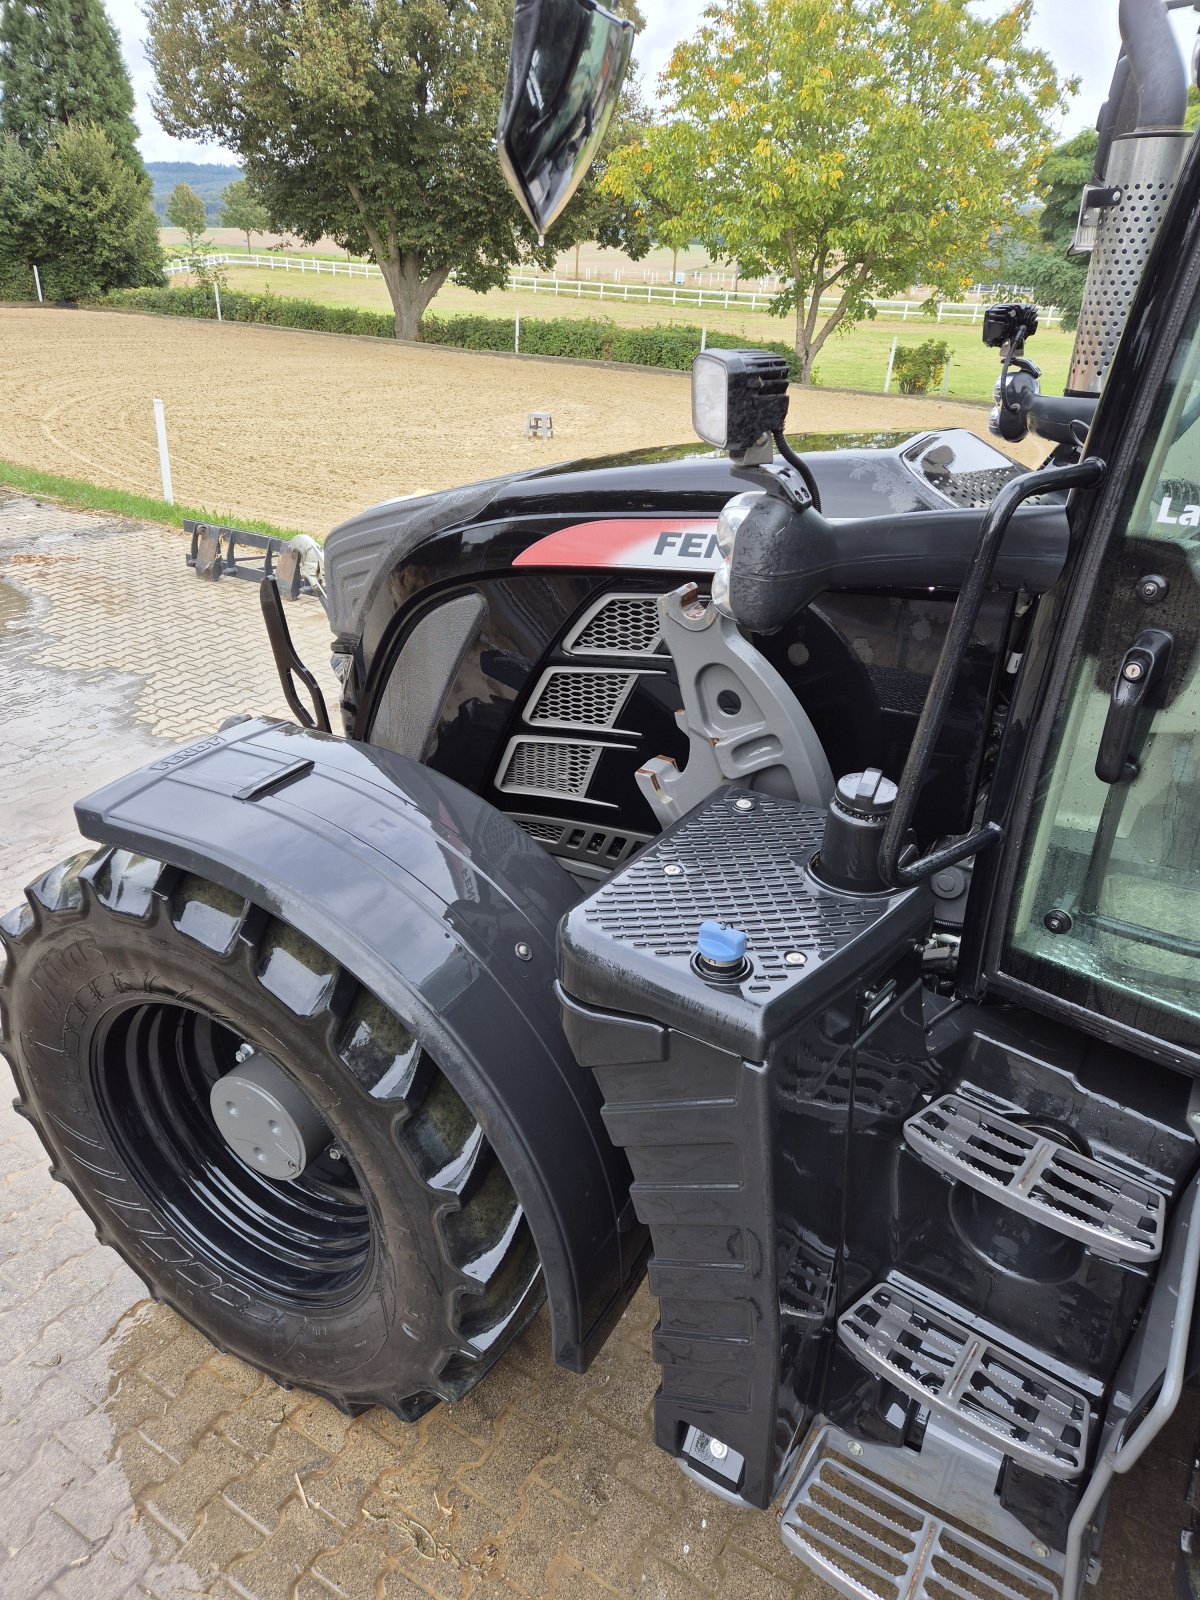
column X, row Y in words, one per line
column 398, row 1265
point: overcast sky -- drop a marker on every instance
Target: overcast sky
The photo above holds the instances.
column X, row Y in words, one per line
column 1080, row 36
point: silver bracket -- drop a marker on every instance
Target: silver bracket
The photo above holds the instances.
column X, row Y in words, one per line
column 744, row 725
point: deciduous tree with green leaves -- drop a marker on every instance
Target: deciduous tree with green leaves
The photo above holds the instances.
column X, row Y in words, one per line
column 242, row 209
column 94, row 227
column 852, row 149
column 186, row 211
column 17, row 212
column 1052, row 276
column 60, row 62
column 371, row 123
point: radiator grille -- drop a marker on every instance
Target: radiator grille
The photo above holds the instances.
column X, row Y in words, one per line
column 620, row 625
column 543, row 832
column 575, row 697
column 549, row 766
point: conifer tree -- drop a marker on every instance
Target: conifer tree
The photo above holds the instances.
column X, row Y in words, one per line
column 60, row 62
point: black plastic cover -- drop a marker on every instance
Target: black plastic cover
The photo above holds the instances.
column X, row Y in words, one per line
column 733, row 1102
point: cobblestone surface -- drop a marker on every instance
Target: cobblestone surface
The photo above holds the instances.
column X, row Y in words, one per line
column 135, row 1461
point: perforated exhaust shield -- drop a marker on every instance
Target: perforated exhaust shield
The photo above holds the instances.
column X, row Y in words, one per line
column 1144, row 167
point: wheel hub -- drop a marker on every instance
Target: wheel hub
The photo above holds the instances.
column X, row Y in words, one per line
column 266, row 1119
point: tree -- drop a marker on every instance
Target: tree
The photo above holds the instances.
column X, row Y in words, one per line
column 94, row 228
column 1053, row 277
column 185, row 211
column 16, row 219
column 853, row 150
column 372, row 124
column 60, row 62
column 242, row 209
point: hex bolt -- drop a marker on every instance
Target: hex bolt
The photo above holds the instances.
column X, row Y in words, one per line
column 1194, row 1116
column 244, row 1052
column 743, row 803
column 718, row 1449
column 794, row 958
column 334, row 1153
column 1133, row 672
column 524, row 953
column 1040, row 1550
column 854, row 1448
column 673, row 870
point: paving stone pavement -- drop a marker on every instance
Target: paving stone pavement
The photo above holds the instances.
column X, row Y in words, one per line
column 136, row 1461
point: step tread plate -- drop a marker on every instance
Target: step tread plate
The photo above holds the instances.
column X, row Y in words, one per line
column 1115, row 1214
column 1000, row 1397
column 871, row 1543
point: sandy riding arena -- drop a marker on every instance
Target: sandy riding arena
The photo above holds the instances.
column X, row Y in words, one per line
column 302, row 429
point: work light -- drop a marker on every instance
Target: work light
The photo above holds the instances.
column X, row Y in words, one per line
column 738, row 396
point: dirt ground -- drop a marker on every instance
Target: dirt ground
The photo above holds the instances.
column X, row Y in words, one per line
column 304, row 429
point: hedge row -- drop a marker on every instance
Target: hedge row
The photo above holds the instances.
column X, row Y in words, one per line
column 672, row 345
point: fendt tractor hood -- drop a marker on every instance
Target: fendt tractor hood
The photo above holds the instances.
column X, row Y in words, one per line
column 649, row 510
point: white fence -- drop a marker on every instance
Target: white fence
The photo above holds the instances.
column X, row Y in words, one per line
column 650, row 294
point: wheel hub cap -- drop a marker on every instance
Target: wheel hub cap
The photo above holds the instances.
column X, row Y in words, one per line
column 267, row 1120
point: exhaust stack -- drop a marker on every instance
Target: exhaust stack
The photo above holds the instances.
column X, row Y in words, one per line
column 1142, row 145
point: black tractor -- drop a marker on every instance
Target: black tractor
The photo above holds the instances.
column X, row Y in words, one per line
column 769, row 866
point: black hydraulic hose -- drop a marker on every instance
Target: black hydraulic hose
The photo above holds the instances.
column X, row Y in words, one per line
column 801, row 466
column 1156, row 63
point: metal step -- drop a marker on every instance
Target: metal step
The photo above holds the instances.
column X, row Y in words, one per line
column 1117, row 1216
column 871, row 1542
column 997, row 1396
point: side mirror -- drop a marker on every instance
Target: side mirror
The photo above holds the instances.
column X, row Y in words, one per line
column 565, row 71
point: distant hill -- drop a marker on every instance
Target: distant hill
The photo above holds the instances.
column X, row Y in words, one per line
column 207, row 180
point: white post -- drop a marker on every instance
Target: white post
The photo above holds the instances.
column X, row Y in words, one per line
column 37, row 283
column 703, row 339
column 887, row 382
column 217, row 296
column 164, row 461
column 941, row 308
column 946, row 377
column 517, row 335
column 904, row 317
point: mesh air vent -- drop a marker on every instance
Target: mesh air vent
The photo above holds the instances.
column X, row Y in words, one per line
column 619, row 625
column 975, row 489
column 549, row 766
column 574, row 697
column 543, row 832
column 1144, row 169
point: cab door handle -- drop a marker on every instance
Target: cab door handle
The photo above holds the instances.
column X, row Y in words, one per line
column 1141, row 671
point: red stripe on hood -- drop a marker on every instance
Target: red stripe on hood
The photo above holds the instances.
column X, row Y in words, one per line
column 597, row 544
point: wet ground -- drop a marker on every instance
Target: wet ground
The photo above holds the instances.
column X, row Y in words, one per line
column 135, row 1461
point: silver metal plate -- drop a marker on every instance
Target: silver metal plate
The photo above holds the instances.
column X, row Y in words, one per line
column 984, row 1388
column 871, row 1543
column 1118, row 1216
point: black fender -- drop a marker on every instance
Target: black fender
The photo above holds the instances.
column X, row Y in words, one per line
column 448, row 913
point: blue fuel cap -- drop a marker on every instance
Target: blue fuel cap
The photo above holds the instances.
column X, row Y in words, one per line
column 720, row 946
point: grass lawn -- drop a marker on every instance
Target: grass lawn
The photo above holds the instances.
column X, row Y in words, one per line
column 855, row 360
column 84, row 496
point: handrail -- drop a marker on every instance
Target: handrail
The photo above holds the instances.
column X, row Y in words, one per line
column 1079, row 475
